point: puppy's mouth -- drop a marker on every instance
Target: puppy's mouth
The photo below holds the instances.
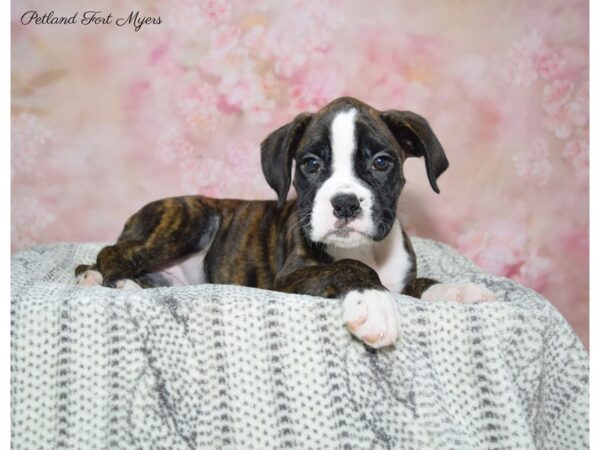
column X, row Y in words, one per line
column 343, row 232
column 344, row 228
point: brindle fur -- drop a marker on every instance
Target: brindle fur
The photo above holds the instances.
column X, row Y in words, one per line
column 252, row 243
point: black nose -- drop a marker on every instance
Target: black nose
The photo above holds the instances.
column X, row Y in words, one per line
column 345, row 205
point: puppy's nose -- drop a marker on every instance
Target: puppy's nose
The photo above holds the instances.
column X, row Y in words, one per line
column 345, row 205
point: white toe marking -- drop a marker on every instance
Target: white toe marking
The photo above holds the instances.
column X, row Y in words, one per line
column 89, row 278
column 127, row 285
column 467, row 293
column 94, row 278
column 371, row 315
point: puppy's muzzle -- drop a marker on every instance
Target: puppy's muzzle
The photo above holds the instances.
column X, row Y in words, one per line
column 345, row 206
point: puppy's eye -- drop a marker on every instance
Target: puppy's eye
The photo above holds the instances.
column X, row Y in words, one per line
column 311, row 165
column 381, row 163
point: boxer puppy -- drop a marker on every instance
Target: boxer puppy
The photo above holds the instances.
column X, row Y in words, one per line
column 339, row 239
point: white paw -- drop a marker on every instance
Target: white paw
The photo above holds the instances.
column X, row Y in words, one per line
column 372, row 317
column 127, row 285
column 89, row 278
column 459, row 292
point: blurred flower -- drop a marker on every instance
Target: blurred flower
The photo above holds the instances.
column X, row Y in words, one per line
column 505, row 250
column 178, row 17
column 564, row 117
column 217, row 10
column 171, row 146
column 29, row 135
column 533, row 271
column 196, row 173
column 223, row 39
column 576, row 152
column 254, row 41
column 243, row 158
column 391, row 87
column 520, row 68
column 472, row 242
column 199, row 108
column 556, row 94
column 29, row 220
column 533, row 164
column 528, row 58
column 315, row 89
column 578, row 110
column 549, row 64
column 288, row 59
column 577, row 113
column 498, row 250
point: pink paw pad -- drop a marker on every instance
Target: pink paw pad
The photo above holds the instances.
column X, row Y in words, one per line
column 372, row 317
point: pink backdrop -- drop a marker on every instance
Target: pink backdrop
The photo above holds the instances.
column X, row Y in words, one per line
column 106, row 119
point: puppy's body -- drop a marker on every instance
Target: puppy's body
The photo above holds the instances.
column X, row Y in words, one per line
column 340, row 238
column 246, row 243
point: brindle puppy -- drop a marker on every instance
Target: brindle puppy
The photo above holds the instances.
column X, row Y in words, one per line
column 339, row 239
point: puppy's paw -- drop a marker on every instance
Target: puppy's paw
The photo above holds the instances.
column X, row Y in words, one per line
column 89, row 278
column 127, row 285
column 94, row 278
column 468, row 293
column 371, row 316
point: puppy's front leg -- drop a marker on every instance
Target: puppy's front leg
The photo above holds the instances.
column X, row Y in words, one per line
column 369, row 310
column 432, row 290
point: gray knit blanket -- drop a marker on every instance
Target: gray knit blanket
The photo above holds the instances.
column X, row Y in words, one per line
column 231, row 367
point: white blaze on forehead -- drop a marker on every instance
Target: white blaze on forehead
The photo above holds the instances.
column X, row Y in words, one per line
column 343, row 143
column 343, row 180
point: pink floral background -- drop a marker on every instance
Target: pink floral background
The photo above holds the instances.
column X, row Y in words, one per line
column 106, row 119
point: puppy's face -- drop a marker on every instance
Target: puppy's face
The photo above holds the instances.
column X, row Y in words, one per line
column 348, row 168
column 348, row 178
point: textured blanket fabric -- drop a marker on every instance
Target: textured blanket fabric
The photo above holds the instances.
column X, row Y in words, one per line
column 231, row 367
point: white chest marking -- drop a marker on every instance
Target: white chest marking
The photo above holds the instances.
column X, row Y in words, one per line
column 388, row 258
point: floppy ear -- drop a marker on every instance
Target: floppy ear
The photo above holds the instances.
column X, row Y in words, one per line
column 277, row 154
column 416, row 137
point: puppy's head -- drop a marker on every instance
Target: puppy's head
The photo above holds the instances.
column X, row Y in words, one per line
column 348, row 168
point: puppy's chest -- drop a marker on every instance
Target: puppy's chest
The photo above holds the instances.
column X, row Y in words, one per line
column 389, row 258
